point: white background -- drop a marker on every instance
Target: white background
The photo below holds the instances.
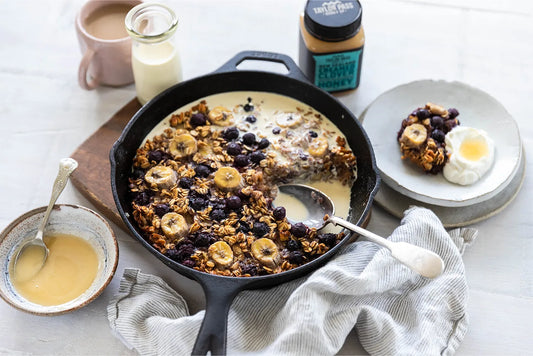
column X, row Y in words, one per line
column 45, row 115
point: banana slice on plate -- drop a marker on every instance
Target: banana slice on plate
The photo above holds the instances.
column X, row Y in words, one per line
column 318, row 147
column 289, row 120
column 221, row 253
column 227, row 178
column 183, row 145
column 414, row 135
column 162, row 176
column 220, row 116
column 265, row 251
column 174, row 226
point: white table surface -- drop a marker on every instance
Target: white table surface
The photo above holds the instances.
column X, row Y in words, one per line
column 45, row 116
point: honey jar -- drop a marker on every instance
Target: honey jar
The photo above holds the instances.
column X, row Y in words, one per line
column 331, row 43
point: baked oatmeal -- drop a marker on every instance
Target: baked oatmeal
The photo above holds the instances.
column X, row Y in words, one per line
column 203, row 183
column 422, row 136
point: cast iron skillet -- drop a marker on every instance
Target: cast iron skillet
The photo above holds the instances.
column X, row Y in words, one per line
column 220, row 290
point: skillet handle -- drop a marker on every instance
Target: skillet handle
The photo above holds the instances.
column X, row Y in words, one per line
column 293, row 70
column 219, row 294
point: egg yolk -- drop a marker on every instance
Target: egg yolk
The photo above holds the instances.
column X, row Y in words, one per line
column 473, row 150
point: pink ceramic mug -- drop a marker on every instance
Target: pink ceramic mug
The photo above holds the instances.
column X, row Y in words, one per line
column 104, row 43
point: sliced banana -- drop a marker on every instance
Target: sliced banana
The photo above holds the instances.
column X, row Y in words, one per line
column 220, row 116
column 162, row 176
column 289, row 120
column 318, row 147
column 227, row 178
column 221, row 253
column 414, row 136
column 183, row 145
column 174, row 226
column 265, row 251
column 436, row 109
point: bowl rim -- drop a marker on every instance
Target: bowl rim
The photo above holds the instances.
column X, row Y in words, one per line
column 97, row 292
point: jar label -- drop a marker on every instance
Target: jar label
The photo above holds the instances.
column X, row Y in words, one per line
column 338, row 71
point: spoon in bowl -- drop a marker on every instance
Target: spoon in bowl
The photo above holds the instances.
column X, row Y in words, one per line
column 321, row 211
column 66, row 167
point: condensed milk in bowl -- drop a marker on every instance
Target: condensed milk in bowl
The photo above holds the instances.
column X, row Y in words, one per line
column 82, row 259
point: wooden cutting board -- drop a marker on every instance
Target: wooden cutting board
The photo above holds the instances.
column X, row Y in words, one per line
column 93, row 176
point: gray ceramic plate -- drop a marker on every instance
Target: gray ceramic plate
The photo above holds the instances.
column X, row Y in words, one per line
column 382, row 120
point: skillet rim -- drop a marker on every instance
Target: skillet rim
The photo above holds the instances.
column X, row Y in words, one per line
column 248, row 282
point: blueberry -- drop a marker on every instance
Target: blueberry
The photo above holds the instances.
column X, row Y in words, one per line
column 248, row 107
column 264, row 143
column 293, row 245
column 449, row 125
column 249, row 268
column 156, row 156
column 189, row 263
column 243, row 227
column 260, row 229
column 198, row 119
column 276, row 130
column 248, row 139
column 231, row 133
column 142, row 198
column 233, row 149
column 241, row 161
column 453, row 113
column 299, row 230
column 217, row 214
column 161, row 209
column 438, row 136
column 197, row 203
column 328, row 239
column 296, row 257
column 182, row 252
column 423, row 114
column 313, row 134
column 202, row 171
column 257, row 157
column 203, row 239
column 186, row 182
column 234, row 202
column 251, row 119
column 279, row 213
column 219, row 204
column 437, row 122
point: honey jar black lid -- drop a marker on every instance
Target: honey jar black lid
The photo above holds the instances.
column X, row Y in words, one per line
column 333, row 20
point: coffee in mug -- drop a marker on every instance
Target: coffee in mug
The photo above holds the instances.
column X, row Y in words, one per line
column 105, row 44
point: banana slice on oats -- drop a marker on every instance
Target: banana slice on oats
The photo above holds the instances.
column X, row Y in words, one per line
column 221, row 116
column 183, row 145
column 174, row 226
column 289, row 120
column 318, row 147
column 221, row 253
column 162, row 176
column 227, row 178
column 414, row 135
column 265, row 251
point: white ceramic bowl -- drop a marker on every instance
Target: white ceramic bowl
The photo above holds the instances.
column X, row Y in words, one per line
column 68, row 219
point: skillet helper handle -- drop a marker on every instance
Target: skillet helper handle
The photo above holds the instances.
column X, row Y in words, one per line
column 293, row 70
column 213, row 332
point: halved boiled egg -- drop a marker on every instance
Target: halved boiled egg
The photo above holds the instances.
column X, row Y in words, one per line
column 471, row 154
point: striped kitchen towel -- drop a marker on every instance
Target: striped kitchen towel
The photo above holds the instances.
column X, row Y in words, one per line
column 394, row 310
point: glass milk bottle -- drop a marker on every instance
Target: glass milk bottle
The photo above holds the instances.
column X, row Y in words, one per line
column 154, row 55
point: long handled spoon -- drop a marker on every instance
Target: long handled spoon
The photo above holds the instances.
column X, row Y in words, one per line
column 319, row 205
column 66, row 167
